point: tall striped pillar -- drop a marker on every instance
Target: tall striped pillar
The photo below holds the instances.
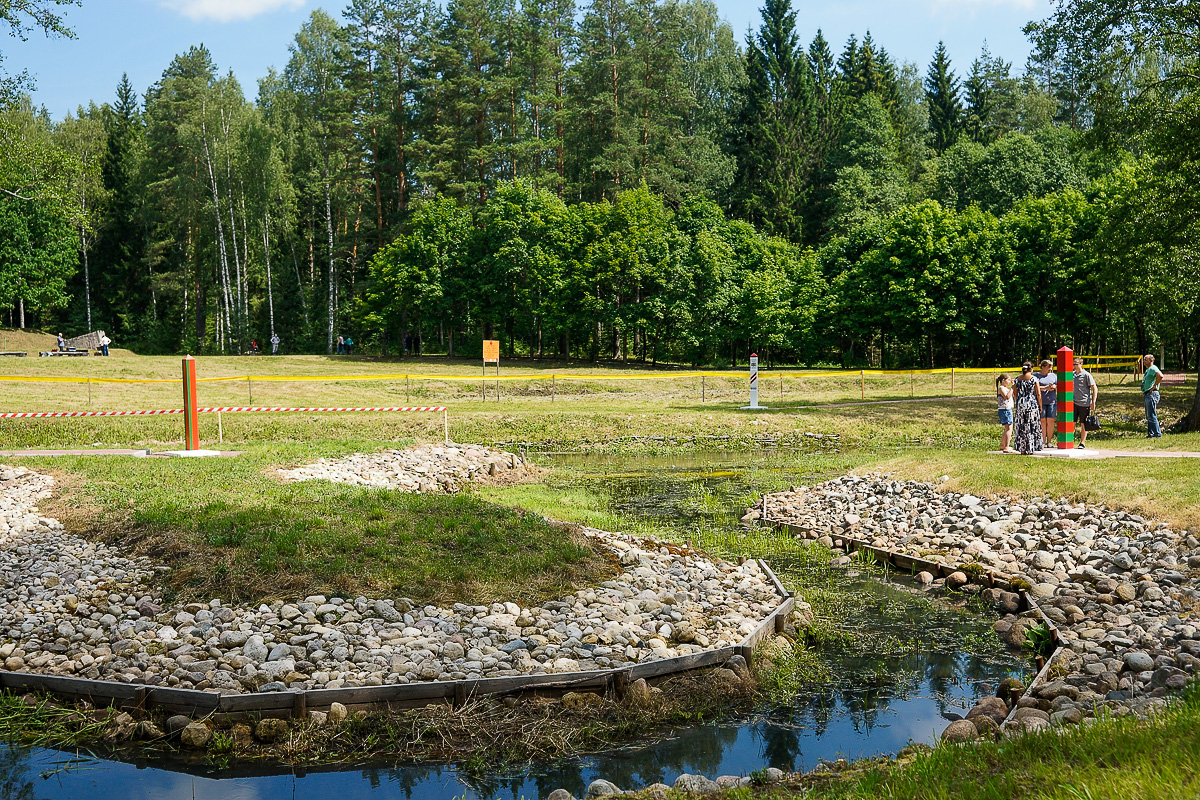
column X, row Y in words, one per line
column 191, row 421
column 1066, row 398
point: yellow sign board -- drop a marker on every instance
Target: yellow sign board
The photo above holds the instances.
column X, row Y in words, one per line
column 491, row 351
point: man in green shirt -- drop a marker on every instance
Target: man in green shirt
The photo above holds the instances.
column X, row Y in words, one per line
column 1150, row 382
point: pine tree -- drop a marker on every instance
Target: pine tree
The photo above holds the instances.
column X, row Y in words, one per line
column 941, row 94
column 545, row 53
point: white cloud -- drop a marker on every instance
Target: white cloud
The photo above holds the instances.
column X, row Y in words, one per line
column 229, row 10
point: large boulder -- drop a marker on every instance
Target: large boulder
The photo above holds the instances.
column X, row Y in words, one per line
column 961, row 730
column 695, row 784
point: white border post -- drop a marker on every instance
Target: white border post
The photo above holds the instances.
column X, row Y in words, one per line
column 754, row 406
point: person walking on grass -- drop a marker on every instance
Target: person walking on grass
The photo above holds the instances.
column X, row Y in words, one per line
column 1086, row 393
column 341, row 346
column 1027, row 431
column 274, row 344
column 1150, row 384
column 1048, row 385
column 1004, row 409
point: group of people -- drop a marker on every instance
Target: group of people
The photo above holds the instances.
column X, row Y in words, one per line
column 1028, row 406
column 104, row 343
column 345, row 346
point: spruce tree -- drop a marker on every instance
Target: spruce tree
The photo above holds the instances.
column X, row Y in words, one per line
column 941, row 95
column 776, row 131
column 980, row 101
column 121, row 282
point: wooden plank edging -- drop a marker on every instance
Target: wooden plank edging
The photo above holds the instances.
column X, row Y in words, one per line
column 107, row 692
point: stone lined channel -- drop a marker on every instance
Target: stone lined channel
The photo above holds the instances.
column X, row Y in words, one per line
column 933, row 668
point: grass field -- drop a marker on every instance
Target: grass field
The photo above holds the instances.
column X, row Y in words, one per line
column 228, row 528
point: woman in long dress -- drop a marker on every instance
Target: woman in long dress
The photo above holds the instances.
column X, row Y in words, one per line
column 1027, row 417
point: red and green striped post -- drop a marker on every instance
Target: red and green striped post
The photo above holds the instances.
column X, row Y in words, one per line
column 191, row 421
column 1066, row 398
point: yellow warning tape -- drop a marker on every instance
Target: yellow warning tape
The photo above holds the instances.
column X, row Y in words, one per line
column 652, row 376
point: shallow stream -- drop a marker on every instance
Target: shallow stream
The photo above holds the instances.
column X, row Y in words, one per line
column 887, row 667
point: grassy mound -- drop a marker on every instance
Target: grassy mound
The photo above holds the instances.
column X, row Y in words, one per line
column 229, row 529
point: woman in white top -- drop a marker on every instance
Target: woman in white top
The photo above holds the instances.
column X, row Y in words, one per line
column 1004, row 410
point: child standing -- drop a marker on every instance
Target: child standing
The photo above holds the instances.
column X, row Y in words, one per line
column 1004, row 410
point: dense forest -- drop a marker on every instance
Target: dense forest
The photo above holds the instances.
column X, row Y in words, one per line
column 625, row 180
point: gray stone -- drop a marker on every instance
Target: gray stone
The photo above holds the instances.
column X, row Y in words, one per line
column 387, row 612
column 1138, row 661
column 960, row 731
column 695, row 784
column 196, row 735
column 560, row 794
column 601, row 788
column 177, row 723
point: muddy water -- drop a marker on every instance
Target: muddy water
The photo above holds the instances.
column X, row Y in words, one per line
column 889, row 666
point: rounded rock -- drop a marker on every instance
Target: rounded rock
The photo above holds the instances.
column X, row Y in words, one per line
column 195, row 735
column 601, row 788
column 695, row 784
column 960, row 731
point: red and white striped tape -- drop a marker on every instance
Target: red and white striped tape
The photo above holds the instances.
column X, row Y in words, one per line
column 223, row 409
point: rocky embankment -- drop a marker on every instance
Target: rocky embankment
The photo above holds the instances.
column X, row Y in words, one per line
column 425, row 469
column 74, row 607
column 1122, row 590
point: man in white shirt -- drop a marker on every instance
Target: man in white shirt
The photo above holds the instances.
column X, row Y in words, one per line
column 1085, row 395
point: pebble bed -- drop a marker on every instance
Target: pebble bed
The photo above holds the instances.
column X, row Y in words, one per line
column 425, row 469
column 1121, row 590
column 74, row 607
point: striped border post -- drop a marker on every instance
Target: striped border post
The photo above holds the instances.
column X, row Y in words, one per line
column 191, row 420
column 1066, row 398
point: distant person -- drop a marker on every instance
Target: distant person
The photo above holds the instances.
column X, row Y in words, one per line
column 274, row 344
column 253, row 347
column 1027, row 432
column 1086, row 393
column 1004, row 409
column 1150, row 384
column 341, row 346
column 407, row 343
column 62, row 343
column 349, row 346
column 1048, row 385
column 104, row 343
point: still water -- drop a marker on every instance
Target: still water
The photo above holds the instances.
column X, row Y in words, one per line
column 897, row 667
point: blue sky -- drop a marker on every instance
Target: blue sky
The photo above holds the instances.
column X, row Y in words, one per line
column 141, row 36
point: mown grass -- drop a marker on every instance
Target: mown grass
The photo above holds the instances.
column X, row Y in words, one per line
column 228, row 528
column 1114, row 759
column 536, row 382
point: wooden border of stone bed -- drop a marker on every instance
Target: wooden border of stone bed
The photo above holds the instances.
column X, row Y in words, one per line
column 297, row 703
column 913, row 564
